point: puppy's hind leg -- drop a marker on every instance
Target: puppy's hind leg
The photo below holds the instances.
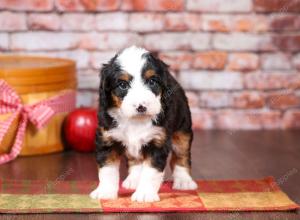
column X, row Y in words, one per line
column 181, row 161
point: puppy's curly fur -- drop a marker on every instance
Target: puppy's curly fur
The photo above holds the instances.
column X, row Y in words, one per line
column 144, row 115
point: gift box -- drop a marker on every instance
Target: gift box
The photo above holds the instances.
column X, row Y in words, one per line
column 36, row 94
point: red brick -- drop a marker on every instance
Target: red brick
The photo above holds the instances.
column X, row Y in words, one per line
column 214, row 99
column 243, row 24
column 215, row 22
column 244, row 100
column 78, row 21
column 271, row 120
column 228, row 119
column 277, row 5
column 232, row 22
column 276, row 61
column 43, row 22
column 199, row 41
column 290, row 42
column 219, row 5
column 250, row 23
column 108, row 40
column 68, row 5
column 177, row 41
column 12, row 21
column 99, row 58
column 248, row 100
column 214, row 60
column 291, row 119
column 177, row 60
column 146, row 22
column 202, row 119
column 285, row 22
column 248, row 120
column 27, row 5
column 243, row 61
column 283, row 100
column 182, row 22
column 208, row 80
column 43, row 41
column 150, row 5
column 175, row 22
column 115, row 21
column 243, row 42
column 81, row 57
column 266, row 81
column 167, row 41
column 87, row 5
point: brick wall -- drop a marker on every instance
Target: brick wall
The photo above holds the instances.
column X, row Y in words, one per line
column 239, row 60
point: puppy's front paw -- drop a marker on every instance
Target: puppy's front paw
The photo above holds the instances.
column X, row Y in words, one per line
column 104, row 193
column 130, row 182
column 184, row 184
column 145, row 196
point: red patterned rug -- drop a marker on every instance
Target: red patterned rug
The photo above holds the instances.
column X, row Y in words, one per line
column 72, row 196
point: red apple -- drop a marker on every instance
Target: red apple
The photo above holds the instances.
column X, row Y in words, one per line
column 80, row 129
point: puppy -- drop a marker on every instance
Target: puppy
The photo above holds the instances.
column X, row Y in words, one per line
column 144, row 115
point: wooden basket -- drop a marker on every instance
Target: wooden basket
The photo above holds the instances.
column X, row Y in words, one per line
column 36, row 79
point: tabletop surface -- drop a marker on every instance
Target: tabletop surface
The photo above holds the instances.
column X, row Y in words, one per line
column 215, row 155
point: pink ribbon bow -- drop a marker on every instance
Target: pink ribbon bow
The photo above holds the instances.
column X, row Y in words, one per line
column 38, row 114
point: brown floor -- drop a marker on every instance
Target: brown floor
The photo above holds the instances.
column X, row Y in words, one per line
column 216, row 155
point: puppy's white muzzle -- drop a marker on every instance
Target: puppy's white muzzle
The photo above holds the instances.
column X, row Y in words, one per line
column 140, row 101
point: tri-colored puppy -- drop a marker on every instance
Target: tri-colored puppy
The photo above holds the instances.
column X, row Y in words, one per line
column 143, row 114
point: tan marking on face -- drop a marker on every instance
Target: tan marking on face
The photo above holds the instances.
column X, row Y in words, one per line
column 116, row 100
column 149, row 73
column 125, row 76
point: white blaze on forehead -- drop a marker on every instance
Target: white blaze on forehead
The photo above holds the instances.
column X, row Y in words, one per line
column 132, row 60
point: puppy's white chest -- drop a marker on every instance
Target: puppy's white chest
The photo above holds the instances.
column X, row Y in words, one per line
column 134, row 134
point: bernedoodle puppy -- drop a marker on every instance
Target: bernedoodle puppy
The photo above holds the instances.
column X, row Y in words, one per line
column 144, row 115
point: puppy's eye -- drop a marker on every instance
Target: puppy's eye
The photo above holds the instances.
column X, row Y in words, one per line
column 123, row 85
column 153, row 82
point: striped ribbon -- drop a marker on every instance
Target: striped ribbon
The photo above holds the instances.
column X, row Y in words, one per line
column 38, row 114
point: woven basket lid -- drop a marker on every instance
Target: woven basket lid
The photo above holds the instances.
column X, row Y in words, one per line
column 35, row 74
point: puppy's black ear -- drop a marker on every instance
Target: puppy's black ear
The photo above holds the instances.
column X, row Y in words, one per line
column 161, row 67
column 103, row 102
column 107, row 72
column 165, row 70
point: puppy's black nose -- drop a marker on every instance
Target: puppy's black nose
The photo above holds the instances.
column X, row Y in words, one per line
column 141, row 109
